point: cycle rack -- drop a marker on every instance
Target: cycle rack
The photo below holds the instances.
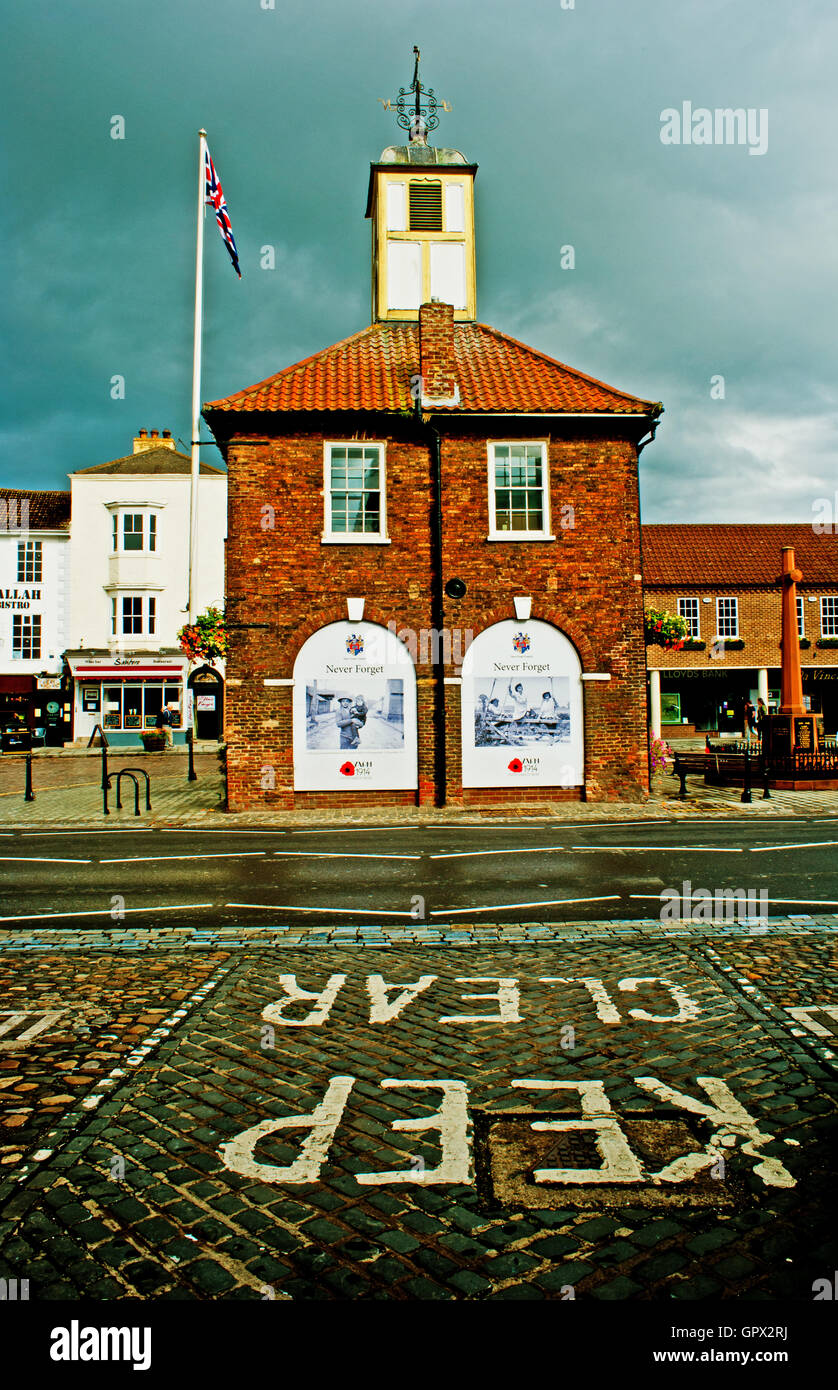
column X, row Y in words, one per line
column 133, row 773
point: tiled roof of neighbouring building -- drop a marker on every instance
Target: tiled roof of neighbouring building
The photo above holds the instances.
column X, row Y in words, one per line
column 149, row 461
column 732, row 555
column 48, row 511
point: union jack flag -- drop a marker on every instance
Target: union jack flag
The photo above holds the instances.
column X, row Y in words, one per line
column 214, row 195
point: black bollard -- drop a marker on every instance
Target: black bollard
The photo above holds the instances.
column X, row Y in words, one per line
column 746, row 790
column 29, row 795
column 192, row 775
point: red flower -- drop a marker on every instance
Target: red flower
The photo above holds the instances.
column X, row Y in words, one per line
column 516, row 765
column 348, row 769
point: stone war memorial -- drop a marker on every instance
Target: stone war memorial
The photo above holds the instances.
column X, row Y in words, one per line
column 795, row 755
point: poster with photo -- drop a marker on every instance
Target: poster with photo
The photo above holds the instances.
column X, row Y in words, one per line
column 354, row 710
column 522, row 708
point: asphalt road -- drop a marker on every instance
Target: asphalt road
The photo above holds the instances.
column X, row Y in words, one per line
column 504, row 872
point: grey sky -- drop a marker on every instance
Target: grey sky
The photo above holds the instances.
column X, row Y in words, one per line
column 690, row 261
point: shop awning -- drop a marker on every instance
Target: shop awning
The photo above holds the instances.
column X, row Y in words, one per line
column 17, row 685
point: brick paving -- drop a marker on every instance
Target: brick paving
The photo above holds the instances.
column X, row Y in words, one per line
column 66, row 786
column 127, row 1192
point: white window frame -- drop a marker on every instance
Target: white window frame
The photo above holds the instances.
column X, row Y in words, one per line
column 146, row 629
column 691, row 599
column 122, row 509
column 30, row 555
column 35, row 626
column 801, row 622
column 330, row 537
column 512, row 536
column 727, row 636
column 829, row 626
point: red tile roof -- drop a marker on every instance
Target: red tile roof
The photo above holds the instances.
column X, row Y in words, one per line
column 372, row 371
column 48, row 511
column 728, row 555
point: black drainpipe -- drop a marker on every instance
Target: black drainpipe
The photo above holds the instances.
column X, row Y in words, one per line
column 437, row 609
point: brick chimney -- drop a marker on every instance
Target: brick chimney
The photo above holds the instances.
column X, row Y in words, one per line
column 436, row 354
column 152, row 440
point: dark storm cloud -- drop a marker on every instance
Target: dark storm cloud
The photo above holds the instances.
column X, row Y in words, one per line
column 691, row 262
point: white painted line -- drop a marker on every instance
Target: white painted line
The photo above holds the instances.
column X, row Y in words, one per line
column 503, row 907
column 676, row 849
column 335, row 854
column 161, row 858
column 805, row 902
column 38, row 859
column 809, row 844
column 477, row 853
column 101, row 912
column 326, row 911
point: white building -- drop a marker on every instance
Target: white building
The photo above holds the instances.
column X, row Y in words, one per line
column 129, row 590
column 34, row 588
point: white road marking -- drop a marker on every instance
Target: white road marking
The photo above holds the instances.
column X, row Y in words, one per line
column 808, row 844
column 503, row 907
column 478, row 853
column 336, row 854
column 676, row 849
column 101, row 912
column 803, row 1014
column 161, row 858
column 326, row 911
column 805, row 902
column 38, row 859
column 231, row 832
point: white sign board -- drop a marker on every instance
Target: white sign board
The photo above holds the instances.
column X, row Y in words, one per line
column 354, row 711
column 205, row 701
column 522, row 721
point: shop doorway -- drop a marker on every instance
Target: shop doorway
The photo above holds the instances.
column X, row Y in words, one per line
column 207, row 689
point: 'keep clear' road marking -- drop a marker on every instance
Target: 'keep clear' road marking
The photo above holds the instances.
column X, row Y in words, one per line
column 728, row 1120
column 13, row 1019
column 802, row 1014
column 507, row 996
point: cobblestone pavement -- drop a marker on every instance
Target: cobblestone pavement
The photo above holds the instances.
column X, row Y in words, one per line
column 241, row 1139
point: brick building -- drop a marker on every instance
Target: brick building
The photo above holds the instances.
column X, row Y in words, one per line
column 721, row 580
column 433, row 561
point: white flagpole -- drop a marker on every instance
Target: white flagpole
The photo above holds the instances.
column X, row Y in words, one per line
column 196, row 379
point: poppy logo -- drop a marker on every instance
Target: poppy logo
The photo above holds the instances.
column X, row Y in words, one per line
column 348, row 769
column 516, row 765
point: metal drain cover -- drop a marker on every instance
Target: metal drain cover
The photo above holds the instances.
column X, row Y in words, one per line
column 508, row 1150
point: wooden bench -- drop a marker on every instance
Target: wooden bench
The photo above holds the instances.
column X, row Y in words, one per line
column 685, row 765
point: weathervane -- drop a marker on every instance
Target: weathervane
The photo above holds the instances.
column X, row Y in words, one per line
column 416, row 107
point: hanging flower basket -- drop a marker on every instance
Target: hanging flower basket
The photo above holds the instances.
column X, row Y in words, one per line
column 206, row 638
column 665, row 630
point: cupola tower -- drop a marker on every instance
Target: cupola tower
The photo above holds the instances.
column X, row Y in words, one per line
column 421, row 202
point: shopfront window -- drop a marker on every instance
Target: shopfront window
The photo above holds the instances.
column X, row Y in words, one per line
column 137, row 706
column 112, row 706
column 132, row 707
